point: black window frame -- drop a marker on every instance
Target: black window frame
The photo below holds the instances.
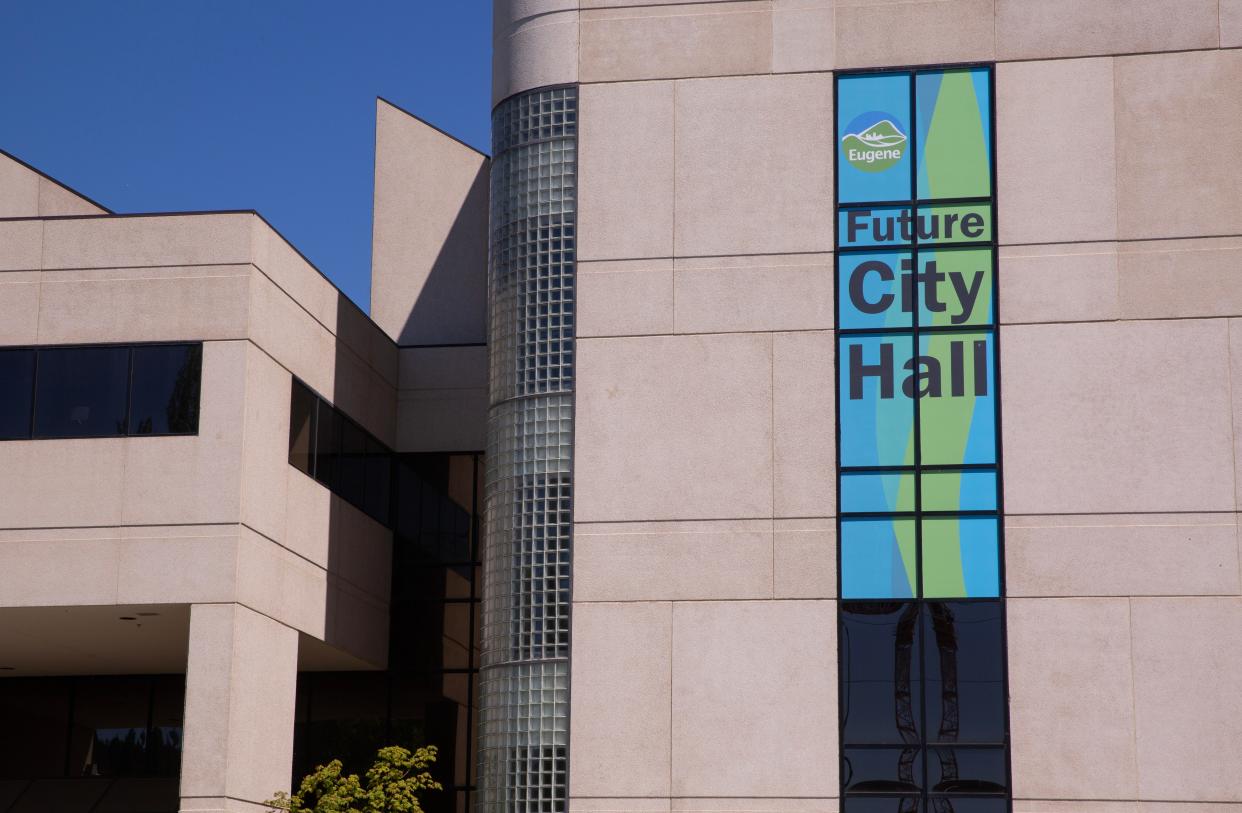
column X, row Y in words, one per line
column 37, row 351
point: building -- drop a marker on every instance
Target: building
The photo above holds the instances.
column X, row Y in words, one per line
column 848, row 395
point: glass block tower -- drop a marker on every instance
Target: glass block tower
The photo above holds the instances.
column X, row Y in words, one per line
column 524, row 716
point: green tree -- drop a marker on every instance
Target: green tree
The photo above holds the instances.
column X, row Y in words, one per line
column 391, row 786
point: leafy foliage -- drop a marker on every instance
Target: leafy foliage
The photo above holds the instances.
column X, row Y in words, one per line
column 391, row 785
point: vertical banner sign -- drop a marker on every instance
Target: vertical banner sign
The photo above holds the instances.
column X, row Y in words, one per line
column 924, row 716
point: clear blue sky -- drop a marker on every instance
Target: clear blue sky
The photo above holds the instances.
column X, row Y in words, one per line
column 165, row 105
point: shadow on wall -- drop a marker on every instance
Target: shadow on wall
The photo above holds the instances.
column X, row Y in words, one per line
column 451, row 308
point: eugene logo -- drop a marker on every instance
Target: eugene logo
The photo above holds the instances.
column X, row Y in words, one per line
column 873, row 142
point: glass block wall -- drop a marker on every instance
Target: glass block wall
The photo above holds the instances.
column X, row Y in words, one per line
column 524, row 681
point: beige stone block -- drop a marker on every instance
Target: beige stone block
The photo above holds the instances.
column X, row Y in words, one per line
column 1095, row 418
column 19, row 189
column 284, row 330
column 803, row 35
column 265, row 447
column 241, row 685
column 625, row 171
column 21, row 245
column 308, row 517
column 1189, row 807
column 753, row 175
column 1231, row 23
column 1122, row 555
column 871, row 33
column 804, row 558
column 435, row 368
column 134, row 242
column 622, row 679
column 743, row 294
column 194, row 478
column 57, row 200
column 62, row 483
column 357, row 623
column 627, row 804
column 355, row 330
column 1235, row 385
column 625, row 298
column 1180, row 278
column 274, row 581
column 674, row 428
column 1176, row 142
column 1070, row 706
column 361, row 550
column 1073, row 282
column 1075, row 806
column 671, row 41
column 60, row 566
column 442, row 420
column 144, row 304
column 220, row 804
column 625, row 3
column 19, row 308
column 277, row 259
column 429, row 245
column 678, row 561
column 1060, row 28
column 1187, row 662
column 365, row 397
column 534, row 48
column 755, row 678
column 803, row 425
column 1056, row 162
column 177, row 564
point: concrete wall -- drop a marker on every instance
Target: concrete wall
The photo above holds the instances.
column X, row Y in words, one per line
column 704, row 620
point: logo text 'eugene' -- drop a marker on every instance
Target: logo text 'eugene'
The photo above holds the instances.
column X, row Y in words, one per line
column 874, row 141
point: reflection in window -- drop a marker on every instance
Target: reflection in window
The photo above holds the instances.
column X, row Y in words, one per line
column 80, row 392
column 340, row 454
column 165, row 390
column 17, row 368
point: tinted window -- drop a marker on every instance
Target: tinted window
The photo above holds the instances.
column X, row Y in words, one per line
column 165, row 390
column 379, row 479
column 964, row 671
column 862, row 804
column 351, row 467
column 880, row 672
column 81, row 392
column 16, row 392
column 966, row 770
column 302, row 428
column 882, row 770
column 328, row 445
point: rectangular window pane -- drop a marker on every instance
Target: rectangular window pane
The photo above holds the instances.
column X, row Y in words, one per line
column 963, row 652
column 881, row 804
column 17, row 369
column 876, row 397
column 351, row 466
column 328, row 429
column 877, row 558
column 873, row 124
column 959, row 490
column 81, row 392
column 379, row 480
column 957, row 407
column 883, row 770
column 164, row 395
column 879, row 226
column 876, row 290
column 966, row 770
column 880, row 672
column 302, row 403
column 955, row 288
column 876, row 493
column 955, row 223
column 954, row 134
column 960, row 557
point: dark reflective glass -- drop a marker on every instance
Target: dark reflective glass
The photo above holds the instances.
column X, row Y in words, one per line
column 35, row 712
column 109, row 732
column 17, row 369
column 963, row 646
column 328, row 445
column 378, row 480
column 436, row 709
column 882, row 770
column 880, row 673
column 164, row 743
column 959, row 804
column 81, row 392
column 863, row 804
column 302, row 408
column 966, row 770
column 144, row 795
column 164, row 395
column 347, row 719
column 352, row 465
column 434, row 503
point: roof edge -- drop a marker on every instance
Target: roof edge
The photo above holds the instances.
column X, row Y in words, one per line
column 59, row 183
column 439, row 130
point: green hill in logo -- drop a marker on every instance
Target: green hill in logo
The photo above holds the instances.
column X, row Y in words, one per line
column 876, row 148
